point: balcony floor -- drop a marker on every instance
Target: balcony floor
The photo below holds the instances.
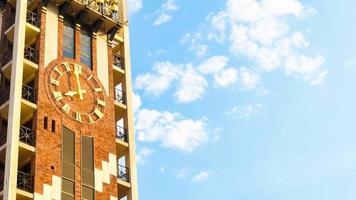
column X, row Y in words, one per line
column 27, row 110
column 26, row 152
column 121, row 148
column 31, row 34
column 23, row 195
column 29, row 70
column 120, row 110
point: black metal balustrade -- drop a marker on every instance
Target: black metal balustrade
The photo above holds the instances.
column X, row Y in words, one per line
column 120, row 96
column 32, row 18
column 118, row 62
column 31, row 54
column 2, row 172
column 24, row 181
column 27, row 135
column 123, row 173
column 109, row 9
column 3, row 137
column 121, row 133
column 28, row 93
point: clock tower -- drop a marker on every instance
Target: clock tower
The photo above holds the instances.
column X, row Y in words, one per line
column 66, row 114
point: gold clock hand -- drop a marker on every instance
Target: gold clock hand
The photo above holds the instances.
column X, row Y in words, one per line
column 77, row 73
column 72, row 93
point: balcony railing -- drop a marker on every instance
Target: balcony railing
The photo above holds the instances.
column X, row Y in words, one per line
column 31, row 54
column 123, row 173
column 109, row 9
column 27, row 135
column 3, row 135
column 24, row 181
column 2, row 172
column 118, row 62
column 120, row 96
column 121, row 133
column 32, row 18
column 28, row 93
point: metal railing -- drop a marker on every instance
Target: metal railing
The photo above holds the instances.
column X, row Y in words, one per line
column 31, row 54
column 120, row 95
column 123, row 173
column 118, row 62
column 2, row 172
column 3, row 137
column 28, row 93
column 109, row 9
column 24, row 181
column 27, row 135
column 32, row 18
column 121, row 133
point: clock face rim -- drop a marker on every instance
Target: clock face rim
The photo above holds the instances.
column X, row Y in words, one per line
column 48, row 85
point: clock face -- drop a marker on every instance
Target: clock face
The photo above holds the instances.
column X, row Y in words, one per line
column 76, row 92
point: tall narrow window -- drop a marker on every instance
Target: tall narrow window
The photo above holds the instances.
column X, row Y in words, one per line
column 85, row 47
column 87, row 157
column 68, row 164
column 68, row 39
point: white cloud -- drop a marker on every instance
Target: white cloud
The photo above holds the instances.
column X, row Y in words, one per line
column 259, row 30
column 202, row 176
column 190, row 82
column 162, row 18
column 164, row 74
column 170, row 5
column 248, row 78
column 165, row 12
column 195, row 45
column 226, row 77
column 136, row 100
column 192, row 86
column 172, row 130
column 245, row 111
column 134, row 6
column 142, row 154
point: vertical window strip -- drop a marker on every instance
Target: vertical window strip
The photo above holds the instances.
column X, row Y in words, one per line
column 87, row 171
column 68, row 38
column 86, row 47
column 68, row 164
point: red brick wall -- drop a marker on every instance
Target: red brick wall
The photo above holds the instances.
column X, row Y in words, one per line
column 48, row 144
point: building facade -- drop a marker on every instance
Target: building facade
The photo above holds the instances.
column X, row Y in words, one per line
column 66, row 114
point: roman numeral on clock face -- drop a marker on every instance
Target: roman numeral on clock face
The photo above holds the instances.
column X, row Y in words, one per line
column 98, row 113
column 66, row 108
column 78, row 68
column 58, row 96
column 54, row 82
column 78, row 117
column 66, row 65
column 100, row 102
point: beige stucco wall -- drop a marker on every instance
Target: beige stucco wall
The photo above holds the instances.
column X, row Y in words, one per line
column 51, row 32
column 102, row 60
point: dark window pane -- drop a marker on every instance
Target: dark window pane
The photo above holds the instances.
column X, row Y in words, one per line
column 68, row 146
column 68, row 187
column 68, row 39
column 87, row 193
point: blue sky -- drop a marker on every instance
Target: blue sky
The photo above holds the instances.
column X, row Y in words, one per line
column 245, row 99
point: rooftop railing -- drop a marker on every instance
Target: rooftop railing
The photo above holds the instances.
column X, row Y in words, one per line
column 123, row 173
column 109, row 9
